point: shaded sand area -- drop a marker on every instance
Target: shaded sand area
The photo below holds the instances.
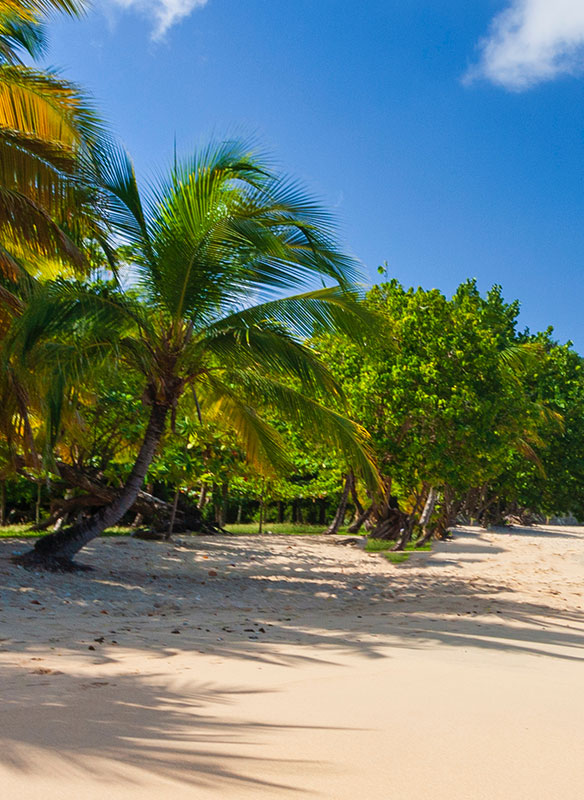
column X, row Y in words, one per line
column 236, row 667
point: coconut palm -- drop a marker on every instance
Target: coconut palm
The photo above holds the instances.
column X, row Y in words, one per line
column 47, row 130
column 214, row 247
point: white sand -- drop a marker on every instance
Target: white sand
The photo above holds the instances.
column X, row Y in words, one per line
column 302, row 668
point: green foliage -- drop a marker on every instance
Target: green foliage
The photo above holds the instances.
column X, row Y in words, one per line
column 437, row 389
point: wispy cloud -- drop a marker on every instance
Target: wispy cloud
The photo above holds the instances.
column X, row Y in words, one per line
column 163, row 13
column 532, row 41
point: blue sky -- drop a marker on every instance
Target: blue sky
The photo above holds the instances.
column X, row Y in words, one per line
column 449, row 136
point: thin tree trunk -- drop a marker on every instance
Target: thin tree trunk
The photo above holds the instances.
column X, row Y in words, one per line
column 58, row 549
column 202, row 502
column 37, row 507
column 2, row 502
column 355, row 497
column 172, row 515
column 425, row 517
column 322, row 511
column 407, row 530
column 342, row 507
column 261, row 525
column 224, row 499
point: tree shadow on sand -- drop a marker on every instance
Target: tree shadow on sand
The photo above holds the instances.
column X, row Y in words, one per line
column 268, row 602
column 131, row 730
column 258, row 598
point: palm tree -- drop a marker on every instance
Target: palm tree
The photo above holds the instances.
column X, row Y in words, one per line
column 47, row 195
column 221, row 233
column 47, row 131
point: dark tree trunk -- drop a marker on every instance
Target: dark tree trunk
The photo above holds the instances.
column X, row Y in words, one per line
column 342, row 507
column 224, row 503
column 58, row 549
column 405, row 535
column 262, row 508
column 2, row 502
column 300, row 512
column 355, row 527
column 355, row 497
column 408, row 526
column 281, row 510
column 172, row 515
column 98, row 495
column 37, row 506
column 390, row 519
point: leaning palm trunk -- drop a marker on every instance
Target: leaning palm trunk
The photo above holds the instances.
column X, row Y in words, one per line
column 220, row 230
column 58, row 549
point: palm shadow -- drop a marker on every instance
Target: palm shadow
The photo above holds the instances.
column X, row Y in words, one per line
column 262, row 607
column 127, row 729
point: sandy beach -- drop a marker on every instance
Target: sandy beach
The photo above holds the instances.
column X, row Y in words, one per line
column 235, row 667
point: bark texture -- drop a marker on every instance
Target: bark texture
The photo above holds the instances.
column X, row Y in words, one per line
column 58, row 549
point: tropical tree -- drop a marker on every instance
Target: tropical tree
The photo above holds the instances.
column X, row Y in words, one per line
column 47, row 132
column 443, row 393
column 222, row 232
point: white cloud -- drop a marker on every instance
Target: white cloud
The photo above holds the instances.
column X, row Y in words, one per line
column 532, row 41
column 163, row 13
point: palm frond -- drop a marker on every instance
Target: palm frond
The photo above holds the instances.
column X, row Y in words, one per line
column 20, row 34
column 515, row 358
column 46, row 106
column 33, row 9
column 115, row 173
column 320, row 423
column 261, row 442
column 29, row 225
column 91, row 316
column 223, row 228
column 268, row 348
column 322, row 310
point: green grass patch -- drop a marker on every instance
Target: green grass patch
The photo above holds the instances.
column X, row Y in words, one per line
column 378, row 545
column 118, row 530
column 24, row 531
column 400, row 556
column 17, row 532
column 280, row 528
column 397, row 558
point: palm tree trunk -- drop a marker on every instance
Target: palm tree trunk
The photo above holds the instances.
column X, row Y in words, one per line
column 57, row 549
